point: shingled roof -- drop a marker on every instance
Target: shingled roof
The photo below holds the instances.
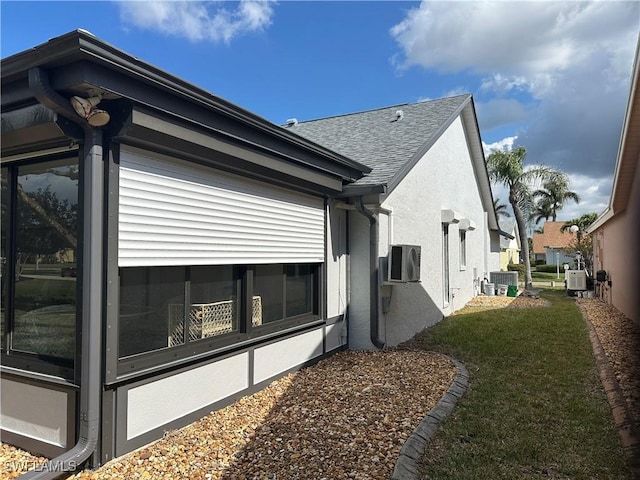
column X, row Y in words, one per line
column 388, row 140
column 552, row 237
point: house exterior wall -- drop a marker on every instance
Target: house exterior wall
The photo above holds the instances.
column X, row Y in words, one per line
column 616, row 252
column 442, row 179
column 563, row 257
column 37, row 415
column 149, row 407
column 359, row 285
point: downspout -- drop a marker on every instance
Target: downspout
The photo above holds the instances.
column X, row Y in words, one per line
column 91, row 316
column 374, row 330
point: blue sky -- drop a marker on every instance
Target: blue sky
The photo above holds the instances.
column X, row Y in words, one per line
column 551, row 76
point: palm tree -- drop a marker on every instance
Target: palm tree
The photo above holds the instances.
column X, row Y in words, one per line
column 582, row 222
column 540, row 211
column 508, row 169
column 501, row 209
column 554, row 193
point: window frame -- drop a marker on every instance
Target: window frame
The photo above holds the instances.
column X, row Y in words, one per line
column 463, row 250
column 34, row 362
column 246, row 334
column 446, row 267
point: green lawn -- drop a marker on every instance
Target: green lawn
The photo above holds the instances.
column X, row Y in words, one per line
column 547, row 277
column 535, row 407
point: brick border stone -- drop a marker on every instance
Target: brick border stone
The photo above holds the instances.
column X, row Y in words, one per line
column 622, row 418
column 406, row 467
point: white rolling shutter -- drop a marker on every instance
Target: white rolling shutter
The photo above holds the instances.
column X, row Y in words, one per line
column 177, row 213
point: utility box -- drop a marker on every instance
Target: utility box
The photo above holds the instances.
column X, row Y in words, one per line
column 503, row 278
column 576, row 280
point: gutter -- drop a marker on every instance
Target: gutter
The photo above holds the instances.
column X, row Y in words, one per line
column 91, row 316
column 374, row 300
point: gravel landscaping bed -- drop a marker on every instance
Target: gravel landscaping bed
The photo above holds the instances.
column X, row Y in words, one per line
column 346, row 417
column 620, row 339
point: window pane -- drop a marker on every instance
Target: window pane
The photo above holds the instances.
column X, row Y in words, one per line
column 268, row 286
column 151, row 308
column 214, row 302
column 46, row 242
column 4, row 228
column 299, row 290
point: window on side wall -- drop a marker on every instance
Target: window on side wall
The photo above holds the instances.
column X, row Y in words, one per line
column 445, row 263
column 463, row 250
column 175, row 307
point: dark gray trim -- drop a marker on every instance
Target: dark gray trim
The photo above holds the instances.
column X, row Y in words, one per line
column 108, row 427
column 147, row 130
column 361, row 191
column 406, row 167
column 111, row 268
column 208, row 354
column 27, row 376
column 336, row 319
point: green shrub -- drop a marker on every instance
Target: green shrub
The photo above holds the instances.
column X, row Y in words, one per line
column 546, row 268
column 517, row 267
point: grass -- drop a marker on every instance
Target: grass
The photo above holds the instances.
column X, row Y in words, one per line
column 547, row 276
column 535, row 408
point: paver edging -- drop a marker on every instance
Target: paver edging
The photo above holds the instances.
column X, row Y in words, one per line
column 622, row 417
column 406, row 467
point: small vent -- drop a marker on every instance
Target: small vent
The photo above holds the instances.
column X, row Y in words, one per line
column 399, row 115
column 292, row 122
column 404, row 263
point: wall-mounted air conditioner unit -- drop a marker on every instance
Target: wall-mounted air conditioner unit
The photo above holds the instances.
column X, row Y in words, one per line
column 404, row 263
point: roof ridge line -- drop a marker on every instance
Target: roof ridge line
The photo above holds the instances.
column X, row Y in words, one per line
column 378, row 108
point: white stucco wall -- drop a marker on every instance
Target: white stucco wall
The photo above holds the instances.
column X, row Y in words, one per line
column 359, row 287
column 442, row 179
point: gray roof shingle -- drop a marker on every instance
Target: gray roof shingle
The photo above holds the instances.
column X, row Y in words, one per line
column 377, row 139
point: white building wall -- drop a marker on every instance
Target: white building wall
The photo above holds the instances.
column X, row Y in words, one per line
column 359, row 286
column 442, row 179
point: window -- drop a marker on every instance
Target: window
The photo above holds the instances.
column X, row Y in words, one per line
column 153, row 299
column 151, row 309
column 463, row 250
column 39, row 269
column 445, row 262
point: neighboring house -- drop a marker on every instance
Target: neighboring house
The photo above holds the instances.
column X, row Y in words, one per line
column 616, row 230
column 509, row 247
column 428, row 187
column 550, row 246
column 213, row 250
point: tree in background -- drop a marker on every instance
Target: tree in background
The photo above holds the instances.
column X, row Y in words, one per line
column 540, row 212
column 501, row 209
column 582, row 244
column 507, row 168
column 554, row 192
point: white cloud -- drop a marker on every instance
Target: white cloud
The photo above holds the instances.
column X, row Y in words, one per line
column 197, row 20
column 524, row 44
column 556, row 74
column 506, row 144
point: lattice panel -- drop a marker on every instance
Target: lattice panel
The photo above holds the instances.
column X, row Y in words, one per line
column 208, row 319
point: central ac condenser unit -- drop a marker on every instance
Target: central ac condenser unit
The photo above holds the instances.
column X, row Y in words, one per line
column 404, row 263
column 576, row 280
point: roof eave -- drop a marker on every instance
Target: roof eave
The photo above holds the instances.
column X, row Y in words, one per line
column 82, row 45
